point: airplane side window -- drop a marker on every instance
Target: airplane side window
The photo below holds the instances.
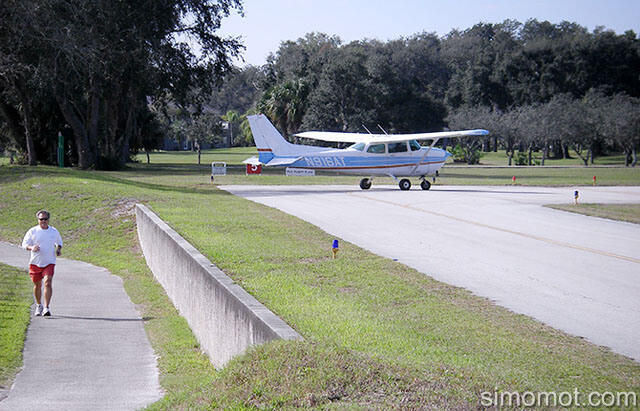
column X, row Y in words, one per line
column 358, row 146
column 376, row 149
column 398, row 147
column 415, row 146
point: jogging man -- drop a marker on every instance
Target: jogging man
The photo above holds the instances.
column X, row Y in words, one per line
column 45, row 244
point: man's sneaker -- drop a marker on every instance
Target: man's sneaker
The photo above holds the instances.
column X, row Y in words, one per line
column 38, row 309
column 46, row 312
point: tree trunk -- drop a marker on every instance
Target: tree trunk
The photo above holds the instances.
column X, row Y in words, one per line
column 28, row 134
column 11, row 118
column 634, row 154
column 85, row 155
column 27, row 124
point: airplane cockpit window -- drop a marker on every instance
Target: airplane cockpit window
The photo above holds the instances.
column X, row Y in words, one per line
column 357, row 146
column 376, row 149
column 415, row 146
column 400, row 147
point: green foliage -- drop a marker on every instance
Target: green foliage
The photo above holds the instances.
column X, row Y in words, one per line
column 520, row 159
column 101, row 62
column 468, row 154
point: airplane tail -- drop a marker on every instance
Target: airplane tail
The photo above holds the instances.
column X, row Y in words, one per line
column 268, row 139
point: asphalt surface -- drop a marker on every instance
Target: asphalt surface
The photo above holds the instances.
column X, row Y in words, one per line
column 92, row 353
column 576, row 273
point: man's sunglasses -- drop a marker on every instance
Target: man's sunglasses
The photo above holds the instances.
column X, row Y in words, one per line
column 43, row 219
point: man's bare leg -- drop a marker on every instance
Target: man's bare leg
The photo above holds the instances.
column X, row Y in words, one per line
column 48, row 290
column 37, row 291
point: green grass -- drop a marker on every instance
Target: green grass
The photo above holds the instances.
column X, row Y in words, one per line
column 377, row 333
column 231, row 156
column 500, row 158
column 621, row 212
column 15, row 302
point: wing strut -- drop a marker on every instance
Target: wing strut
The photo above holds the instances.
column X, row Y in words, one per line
column 435, row 140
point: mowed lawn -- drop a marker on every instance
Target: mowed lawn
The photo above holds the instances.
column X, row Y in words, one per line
column 377, row 334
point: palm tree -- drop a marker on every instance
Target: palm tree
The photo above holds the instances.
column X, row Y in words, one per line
column 231, row 118
column 285, row 104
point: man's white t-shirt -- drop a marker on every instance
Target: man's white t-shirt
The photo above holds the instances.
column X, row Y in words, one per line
column 48, row 240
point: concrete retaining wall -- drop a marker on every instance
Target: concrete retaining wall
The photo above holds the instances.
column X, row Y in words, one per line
column 225, row 319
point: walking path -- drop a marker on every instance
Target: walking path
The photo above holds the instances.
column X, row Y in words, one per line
column 92, row 353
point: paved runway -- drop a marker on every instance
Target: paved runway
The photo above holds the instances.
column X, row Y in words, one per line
column 576, row 273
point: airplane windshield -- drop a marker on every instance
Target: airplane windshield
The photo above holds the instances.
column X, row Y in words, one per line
column 357, row 146
column 415, row 146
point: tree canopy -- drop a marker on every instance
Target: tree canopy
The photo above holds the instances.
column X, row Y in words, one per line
column 100, row 64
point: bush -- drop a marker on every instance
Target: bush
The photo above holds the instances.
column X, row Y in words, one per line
column 469, row 154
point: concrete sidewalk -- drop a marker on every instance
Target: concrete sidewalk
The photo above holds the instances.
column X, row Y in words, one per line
column 92, row 353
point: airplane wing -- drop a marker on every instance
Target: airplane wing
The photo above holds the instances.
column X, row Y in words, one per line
column 386, row 138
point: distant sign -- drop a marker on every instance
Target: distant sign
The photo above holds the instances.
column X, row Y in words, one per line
column 218, row 169
column 300, row 172
column 254, row 168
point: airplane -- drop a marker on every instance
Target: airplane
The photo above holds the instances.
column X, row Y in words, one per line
column 393, row 155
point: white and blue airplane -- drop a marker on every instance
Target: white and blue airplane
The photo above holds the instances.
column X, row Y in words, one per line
column 393, row 155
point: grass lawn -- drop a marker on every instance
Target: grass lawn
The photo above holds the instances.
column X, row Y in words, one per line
column 622, row 212
column 377, row 333
column 15, row 302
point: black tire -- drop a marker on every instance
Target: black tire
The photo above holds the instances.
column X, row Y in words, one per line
column 365, row 183
column 404, row 184
column 425, row 185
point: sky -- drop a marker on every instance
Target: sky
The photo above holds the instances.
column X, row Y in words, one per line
column 267, row 23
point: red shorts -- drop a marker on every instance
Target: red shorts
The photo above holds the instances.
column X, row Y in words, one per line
column 38, row 273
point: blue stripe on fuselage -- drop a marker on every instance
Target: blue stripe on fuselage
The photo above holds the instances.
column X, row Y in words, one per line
column 345, row 162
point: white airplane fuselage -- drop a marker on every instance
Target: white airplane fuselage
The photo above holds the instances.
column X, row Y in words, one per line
column 352, row 161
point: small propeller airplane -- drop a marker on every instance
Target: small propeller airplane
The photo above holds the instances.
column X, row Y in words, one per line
column 393, row 155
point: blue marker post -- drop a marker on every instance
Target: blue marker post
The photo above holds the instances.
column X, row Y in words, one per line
column 334, row 248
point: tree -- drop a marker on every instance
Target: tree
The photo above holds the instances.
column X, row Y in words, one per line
column 105, row 60
column 232, row 118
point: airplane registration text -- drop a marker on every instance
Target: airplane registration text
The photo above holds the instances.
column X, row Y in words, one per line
column 324, row 161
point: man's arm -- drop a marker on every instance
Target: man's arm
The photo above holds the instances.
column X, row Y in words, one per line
column 59, row 244
column 27, row 241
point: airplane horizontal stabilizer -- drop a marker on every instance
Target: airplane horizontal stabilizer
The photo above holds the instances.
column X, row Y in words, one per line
column 253, row 161
column 282, row 161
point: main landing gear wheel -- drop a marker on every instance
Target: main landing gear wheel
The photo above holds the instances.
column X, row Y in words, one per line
column 365, row 183
column 404, row 184
column 425, row 185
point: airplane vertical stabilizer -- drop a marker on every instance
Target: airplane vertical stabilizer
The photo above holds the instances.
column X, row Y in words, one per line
column 268, row 139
